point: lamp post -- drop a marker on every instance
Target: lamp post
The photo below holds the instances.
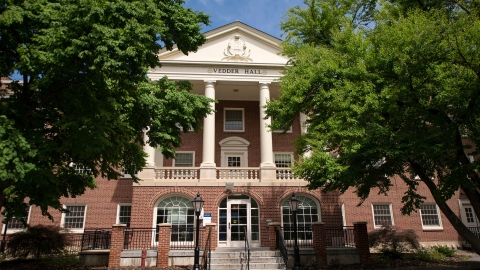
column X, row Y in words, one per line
column 293, row 203
column 198, row 205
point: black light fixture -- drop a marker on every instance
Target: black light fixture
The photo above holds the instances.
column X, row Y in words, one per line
column 197, row 205
column 293, row 203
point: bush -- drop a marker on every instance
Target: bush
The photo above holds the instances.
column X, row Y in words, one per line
column 37, row 241
column 429, row 255
column 449, row 252
column 393, row 242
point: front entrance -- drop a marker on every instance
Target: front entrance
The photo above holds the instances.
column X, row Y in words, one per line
column 238, row 218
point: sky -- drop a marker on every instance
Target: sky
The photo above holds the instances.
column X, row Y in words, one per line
column 264, row 15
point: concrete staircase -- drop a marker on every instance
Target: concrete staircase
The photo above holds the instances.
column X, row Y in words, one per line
column 235, row 258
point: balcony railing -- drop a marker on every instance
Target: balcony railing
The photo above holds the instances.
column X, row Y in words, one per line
column 227, row 173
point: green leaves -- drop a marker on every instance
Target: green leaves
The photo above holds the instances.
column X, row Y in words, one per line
column 85, row 98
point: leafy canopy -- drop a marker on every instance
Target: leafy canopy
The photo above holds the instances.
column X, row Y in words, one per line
column 393, row 88
column 85, row 98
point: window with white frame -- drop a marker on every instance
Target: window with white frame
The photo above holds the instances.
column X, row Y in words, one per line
column 124, row 214
column 382, row 215
column 17, row 223
column 179, row 212
column 307, row 213
column 283, row 160
column 81, row 168
column 234, row 120
column 183, row 160
column 430, row 216
column 74, row 218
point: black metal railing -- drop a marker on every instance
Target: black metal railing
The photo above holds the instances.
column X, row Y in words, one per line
column 96, row 239
column 247, row 247
column 340, row 236
column 140, row 238
column 304, row 234
column 475, row 230
column 281, row 245
column 207, row 252
column 183, row 238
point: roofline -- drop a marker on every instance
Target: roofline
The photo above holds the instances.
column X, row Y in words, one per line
column 244, row 24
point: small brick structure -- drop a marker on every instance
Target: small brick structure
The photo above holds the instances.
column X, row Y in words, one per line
column 163, row 244
column 361, row 241
column 319, row 243
column 116, row 244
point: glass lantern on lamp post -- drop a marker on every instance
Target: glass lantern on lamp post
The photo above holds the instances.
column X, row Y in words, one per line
column 293, row 203
column 197, row 205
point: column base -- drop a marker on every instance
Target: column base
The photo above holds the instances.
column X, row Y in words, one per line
column 268, row 172
column 208, row 172
column 147, row 173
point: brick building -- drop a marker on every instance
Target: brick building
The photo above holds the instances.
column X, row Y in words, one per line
column 239, row 167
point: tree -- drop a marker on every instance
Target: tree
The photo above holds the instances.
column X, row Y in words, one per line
column 393, row 87
column 85, row 98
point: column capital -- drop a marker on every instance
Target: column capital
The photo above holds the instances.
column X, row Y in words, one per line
column 264, row 83
column 212, row 82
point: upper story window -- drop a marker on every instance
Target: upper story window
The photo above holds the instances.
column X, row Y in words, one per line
column 234, row 120
column 75, row 217
column 124, row 214
column 184, row 160
column 430, row 216
column 382, row 215
column 283, row 160
column 81, row 168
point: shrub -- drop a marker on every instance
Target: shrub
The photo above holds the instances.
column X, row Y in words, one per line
column 428, row 255
column 449, row 252
column 37, row 241
column 393, row 242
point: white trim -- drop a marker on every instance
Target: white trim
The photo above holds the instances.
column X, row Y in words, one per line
column 117, row 220
column 431, row 227
column 185, row 152
column 343, row 215
column 391, row 214
column 225, row 119
column 62, row 223
column 11, row 230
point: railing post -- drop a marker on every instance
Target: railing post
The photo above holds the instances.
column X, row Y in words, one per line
column 163, row 244
column 213, row 236
column 361, row 241
column 116, row 245
column 319, row 243
column 272, row 237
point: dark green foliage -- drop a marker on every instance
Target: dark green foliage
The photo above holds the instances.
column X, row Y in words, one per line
column 37, row 241
column 449, row 252
column 392, row 242
column 85, row 98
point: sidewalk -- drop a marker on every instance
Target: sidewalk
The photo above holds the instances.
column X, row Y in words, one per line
column 471, row 264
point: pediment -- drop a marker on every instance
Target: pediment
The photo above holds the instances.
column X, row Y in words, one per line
column 234, row 142
column 232, row 43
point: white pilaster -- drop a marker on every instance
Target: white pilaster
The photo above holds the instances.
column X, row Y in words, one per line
column 267, row 165
column 208, row 166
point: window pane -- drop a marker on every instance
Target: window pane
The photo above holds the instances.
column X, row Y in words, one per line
column 124, row 214
column 233, row 120
column 382, row 215
column 429, row 215
column 283, row 160
column 184, row 160
column 75, row 217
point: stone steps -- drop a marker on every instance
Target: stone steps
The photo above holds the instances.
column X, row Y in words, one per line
column 236, row 259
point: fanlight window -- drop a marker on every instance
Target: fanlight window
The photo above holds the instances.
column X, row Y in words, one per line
column 179, row 212
column 307, row 214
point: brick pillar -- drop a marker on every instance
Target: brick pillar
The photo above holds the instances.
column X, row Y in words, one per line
column 163, row 244
column 272, row 236
column 361, row 241
column 214, row 235
column 116, row 244
column 319, row 243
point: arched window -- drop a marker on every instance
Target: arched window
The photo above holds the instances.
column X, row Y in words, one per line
column 179, row 212
column 307, row 213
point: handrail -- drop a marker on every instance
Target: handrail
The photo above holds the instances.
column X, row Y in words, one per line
column 247, row 247
column 207, row 252
column 281, row 245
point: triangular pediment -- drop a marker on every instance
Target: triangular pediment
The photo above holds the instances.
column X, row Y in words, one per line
column 233, row 43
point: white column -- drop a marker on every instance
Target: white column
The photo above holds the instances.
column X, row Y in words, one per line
column 148, row 172
column 208, row 166
column 267, row 165
column 303, row 130
column 149, row 150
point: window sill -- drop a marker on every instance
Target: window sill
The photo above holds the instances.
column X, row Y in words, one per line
column 432, row 229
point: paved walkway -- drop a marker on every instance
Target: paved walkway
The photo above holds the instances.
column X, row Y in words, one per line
column 471, row 264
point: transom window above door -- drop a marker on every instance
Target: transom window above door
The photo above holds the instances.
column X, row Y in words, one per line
column 234, row 120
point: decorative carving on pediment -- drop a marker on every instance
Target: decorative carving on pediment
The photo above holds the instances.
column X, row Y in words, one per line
column 237, row 50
